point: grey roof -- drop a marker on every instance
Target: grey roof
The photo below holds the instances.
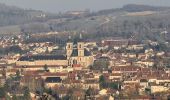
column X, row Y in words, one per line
column 59, row 52
column 104, row 58
column 42, row 57
column 86, row 52
column 75, row 53
column 53, row 80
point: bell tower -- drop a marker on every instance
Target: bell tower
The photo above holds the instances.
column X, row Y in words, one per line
column 80, row 47
column 69, row 47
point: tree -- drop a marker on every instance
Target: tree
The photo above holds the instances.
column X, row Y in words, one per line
column 69, row 95
column 46, row 68
column 14, row 97
column 27, row 95
column 7, row 97
column 147, row 90
column 89, row 94
column 18, row 76
column 15, row 49
column 50, row 91
column 114, row 85
column 2, row 92
column 56, row 96
column 101, row 64
column 102, row 82
column 168, row 97
column 6, row 85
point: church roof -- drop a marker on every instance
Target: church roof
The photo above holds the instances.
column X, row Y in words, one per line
column 59, row 52
column 42, row 57
column 75, row 53
column 75, row 40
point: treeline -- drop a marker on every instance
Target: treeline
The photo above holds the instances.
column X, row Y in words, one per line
column 11, row 15
column 138, row 27
column 11, row 49
column 138, row 8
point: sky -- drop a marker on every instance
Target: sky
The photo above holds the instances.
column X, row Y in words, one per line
column 56, row 6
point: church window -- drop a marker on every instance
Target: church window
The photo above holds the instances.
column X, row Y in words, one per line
column 69, row 46
column 74, row 61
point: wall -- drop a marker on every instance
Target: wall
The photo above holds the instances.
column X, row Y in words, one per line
column 42, row 62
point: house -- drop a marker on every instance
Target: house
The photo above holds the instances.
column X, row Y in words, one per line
column 52, row 81
column 91, row 84
column 158, row 88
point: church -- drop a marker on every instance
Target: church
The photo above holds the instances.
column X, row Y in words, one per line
column 76, row 54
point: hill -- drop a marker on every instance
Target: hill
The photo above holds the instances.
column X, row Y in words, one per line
column 137, row 21
column 139, row 8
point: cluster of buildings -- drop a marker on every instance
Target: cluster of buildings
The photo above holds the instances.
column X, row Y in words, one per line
column 135, row 70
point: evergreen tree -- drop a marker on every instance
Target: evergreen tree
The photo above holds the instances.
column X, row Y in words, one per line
column 27, row 95
column 89, row 93
column 46, row 68
column 114, row 85
column 2, row 92
column 18, row 76
column 6, row 85
column 102, row 82
column 50, row 91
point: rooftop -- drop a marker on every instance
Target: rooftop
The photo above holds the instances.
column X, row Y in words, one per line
column 42, row 57
column 75, row 52
column 53, row 80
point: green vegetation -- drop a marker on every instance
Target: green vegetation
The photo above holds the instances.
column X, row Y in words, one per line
column 114, row 85
column 46, row 68
column 14, row 97
column 104, row 84
column 101, row 64
column 27, row 95
column 11, row 49
column 2, row 92
column 89, row 93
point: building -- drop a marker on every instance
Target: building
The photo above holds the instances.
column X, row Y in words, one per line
column 76, row 53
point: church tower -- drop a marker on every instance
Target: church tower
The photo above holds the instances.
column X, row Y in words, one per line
column 69, row 47
column 80, row 47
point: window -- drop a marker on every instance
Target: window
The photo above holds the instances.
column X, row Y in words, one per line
column 80, row 46
column 74, row 61
column 69, row 46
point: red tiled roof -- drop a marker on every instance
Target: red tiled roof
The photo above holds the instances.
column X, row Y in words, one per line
column 77, row 65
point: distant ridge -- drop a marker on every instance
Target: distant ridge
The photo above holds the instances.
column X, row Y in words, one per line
column 138, row 8
column 11, row 15
column 17, row 20
column 132, row 8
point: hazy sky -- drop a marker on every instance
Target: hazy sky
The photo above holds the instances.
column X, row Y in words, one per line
column 69, row 5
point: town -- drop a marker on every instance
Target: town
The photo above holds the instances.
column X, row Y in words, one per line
column 112, row 68
column 84, row 49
